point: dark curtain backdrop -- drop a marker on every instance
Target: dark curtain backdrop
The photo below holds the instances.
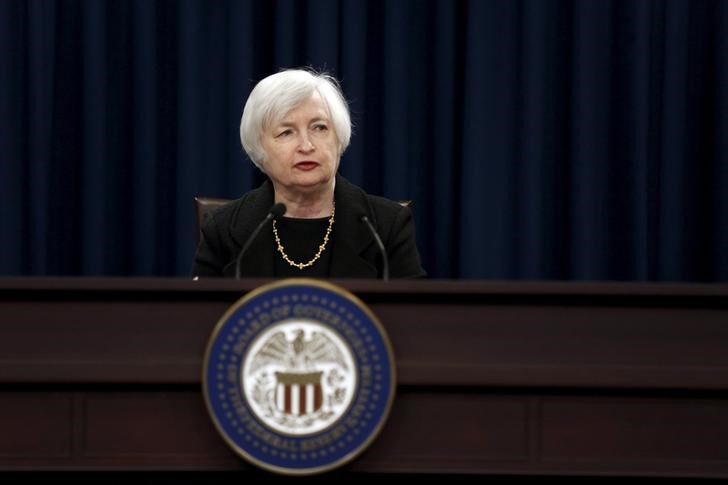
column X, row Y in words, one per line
column 538, row 139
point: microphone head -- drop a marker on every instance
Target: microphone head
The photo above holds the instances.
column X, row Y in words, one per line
column 278, row 210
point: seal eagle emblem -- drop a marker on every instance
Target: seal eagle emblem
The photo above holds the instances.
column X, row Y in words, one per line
column 298, row 376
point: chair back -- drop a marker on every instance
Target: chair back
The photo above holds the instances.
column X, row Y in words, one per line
column 203, row 205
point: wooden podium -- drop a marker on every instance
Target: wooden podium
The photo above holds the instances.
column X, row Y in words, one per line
column 493, row 378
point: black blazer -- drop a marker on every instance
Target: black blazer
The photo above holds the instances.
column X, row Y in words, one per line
column 355, row 254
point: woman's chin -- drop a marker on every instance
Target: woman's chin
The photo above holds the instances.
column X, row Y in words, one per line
column 311, row 181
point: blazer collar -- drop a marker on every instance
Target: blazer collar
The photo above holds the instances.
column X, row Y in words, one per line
column 351, row 236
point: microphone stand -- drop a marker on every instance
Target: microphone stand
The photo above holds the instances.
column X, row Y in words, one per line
column 380, row 245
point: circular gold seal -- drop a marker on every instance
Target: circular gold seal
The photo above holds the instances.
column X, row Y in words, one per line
column 299, row 376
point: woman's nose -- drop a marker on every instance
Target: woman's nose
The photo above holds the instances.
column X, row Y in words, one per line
column 306, row 145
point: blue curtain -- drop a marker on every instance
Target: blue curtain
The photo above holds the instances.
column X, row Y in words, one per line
column 538, row 139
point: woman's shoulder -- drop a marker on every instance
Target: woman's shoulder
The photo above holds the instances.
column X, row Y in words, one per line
column 224, row 212
column 388, row 215
column 245, row 204
column 385, row 206
column 379, row 205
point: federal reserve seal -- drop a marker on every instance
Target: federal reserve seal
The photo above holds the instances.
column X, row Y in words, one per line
column 299, row 377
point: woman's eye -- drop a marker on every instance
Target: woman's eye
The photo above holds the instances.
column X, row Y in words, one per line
column 320, row 127
column 284, row 133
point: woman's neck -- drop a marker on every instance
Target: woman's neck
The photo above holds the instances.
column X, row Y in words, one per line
column 312, row 205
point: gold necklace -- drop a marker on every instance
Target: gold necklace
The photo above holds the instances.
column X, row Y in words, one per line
column 321, row 248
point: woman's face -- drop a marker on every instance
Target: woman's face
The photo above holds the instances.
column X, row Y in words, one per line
column 302, row 149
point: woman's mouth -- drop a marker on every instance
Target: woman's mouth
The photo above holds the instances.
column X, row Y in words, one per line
column 306, row 166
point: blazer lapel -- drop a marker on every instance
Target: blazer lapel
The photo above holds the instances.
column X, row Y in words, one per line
column 351, row 236
column 258, row 258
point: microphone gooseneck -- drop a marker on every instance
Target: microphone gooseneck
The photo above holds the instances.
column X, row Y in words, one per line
column 276, row 211
column 380, row 245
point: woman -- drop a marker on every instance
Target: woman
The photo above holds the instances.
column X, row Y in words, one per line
column 295, row 127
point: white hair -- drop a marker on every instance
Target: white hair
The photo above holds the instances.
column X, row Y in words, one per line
column 276, row 95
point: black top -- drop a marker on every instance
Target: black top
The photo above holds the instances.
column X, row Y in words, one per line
column 301, row 239
column 354, row 254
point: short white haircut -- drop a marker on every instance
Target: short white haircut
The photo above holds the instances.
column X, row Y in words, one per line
column 276, row 95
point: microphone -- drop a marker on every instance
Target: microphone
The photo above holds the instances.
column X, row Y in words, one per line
column 385, row 260
column 276, row 211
